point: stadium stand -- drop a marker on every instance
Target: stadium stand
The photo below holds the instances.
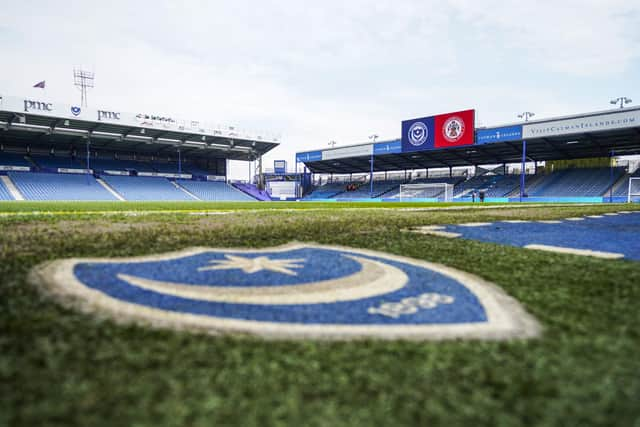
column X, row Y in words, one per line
column 326, row 191
column 195, row 170
column 4, row 193
column 52, row 186
column 579, row 182
column 167, row 167
column 253, row 191
column 475, row 183
column 13, row 159
column 428, row 193
column 215, row 191
column 145, row 188
column 172, row 167
column 363, row 191
column 101, row 164
column 56, row 162
column 622, row 189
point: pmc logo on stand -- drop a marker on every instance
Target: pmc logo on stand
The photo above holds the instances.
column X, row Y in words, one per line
column 293, row 291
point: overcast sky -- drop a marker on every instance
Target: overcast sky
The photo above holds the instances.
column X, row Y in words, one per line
column 326, row 70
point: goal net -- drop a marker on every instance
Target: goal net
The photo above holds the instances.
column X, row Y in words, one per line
column 633, row 194
column 439, row 190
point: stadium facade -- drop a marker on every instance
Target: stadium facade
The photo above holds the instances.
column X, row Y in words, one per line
column 57, row 151
column 427, row 145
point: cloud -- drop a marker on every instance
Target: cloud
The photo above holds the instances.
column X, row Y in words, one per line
column 331, row 70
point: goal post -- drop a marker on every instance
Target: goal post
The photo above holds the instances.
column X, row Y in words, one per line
column 437, row 190
column 633, row 191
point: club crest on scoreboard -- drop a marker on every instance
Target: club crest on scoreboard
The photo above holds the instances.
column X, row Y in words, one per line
column 299, row 290
column 453, row 129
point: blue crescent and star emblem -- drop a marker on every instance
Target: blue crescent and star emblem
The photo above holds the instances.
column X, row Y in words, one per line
column 75, row 111
column 418, row 133
column 294, row 291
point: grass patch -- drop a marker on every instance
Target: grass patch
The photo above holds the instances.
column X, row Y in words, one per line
column 61, row 367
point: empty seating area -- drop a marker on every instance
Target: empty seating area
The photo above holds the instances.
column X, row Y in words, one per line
column 56, row 162
column 434, row 192
column 253, row 191
column 571, row 183
column 492, row 185
column 364, row 190
column 52, row 186
column 145, row 188
column 215, row 191
column 4, row 193
column 622, row 190
column 327, row 191
column 579, row 182
column 118, row 164
column 13, row 159
column 475, row 183
column 59, row 161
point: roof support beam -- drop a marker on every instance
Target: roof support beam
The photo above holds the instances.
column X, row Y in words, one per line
column 435, row 160
column 556, row 148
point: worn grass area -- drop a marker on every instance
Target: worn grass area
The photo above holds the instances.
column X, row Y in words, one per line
column 47, row 206
column 60, row 367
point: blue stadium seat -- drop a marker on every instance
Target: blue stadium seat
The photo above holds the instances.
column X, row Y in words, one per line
column 56, row 162
column 13, row 159
column 4, row 193
column 579, row 182
column 215, row 190
column 52, row 186
column 623, row 189
column 145, row 188
column 101, row 164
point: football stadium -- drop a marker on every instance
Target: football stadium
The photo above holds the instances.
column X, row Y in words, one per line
column 453, row 273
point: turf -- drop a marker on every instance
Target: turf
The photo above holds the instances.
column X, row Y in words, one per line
column 60, row 367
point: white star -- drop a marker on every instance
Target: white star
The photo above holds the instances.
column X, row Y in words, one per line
column 254, row 265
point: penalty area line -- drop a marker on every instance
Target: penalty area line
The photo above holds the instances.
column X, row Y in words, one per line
column 574, row 251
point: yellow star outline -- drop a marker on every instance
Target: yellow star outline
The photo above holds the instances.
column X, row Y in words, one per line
column 254, row 265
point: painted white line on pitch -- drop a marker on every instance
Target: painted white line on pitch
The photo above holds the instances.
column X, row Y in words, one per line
column 515, row 221
column 435, row 230
column 440, row 233
column 429, row 227
column 474, row 224
column 573, row 251
column 574, row 219
column 549, row 221
column 595, row 216
column 611, row 214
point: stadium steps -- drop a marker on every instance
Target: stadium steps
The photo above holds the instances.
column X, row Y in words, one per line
column 464, row 193
column 11, row 188
column 395, row 189
column 180, row 187
column 32, row 163
column 107, row 187
column 540, row 187
column 530, row 182
column 252, row 191
column 623, row 181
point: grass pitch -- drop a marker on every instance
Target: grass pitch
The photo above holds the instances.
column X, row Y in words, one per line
column 59, row 367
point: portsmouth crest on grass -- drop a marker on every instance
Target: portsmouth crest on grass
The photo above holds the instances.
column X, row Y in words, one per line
column 292, row 291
